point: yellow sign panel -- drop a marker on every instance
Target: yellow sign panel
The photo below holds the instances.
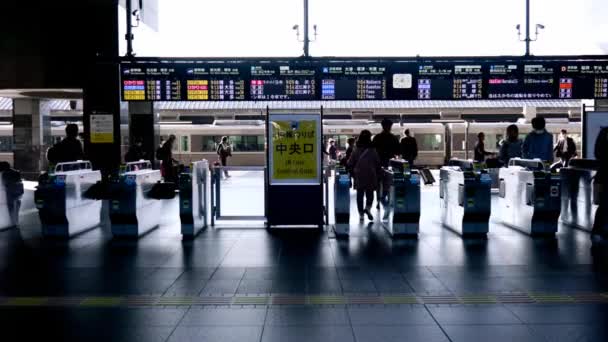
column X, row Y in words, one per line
column 102, row 129
column 295, row 151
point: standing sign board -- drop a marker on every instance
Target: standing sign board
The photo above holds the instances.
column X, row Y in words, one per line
column 294, row 179
column 294, row 145
column 593, row 122
column 102, row 128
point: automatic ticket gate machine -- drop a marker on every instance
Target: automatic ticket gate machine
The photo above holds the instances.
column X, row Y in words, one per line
column 579, row 193
column 132, row 211
column 195, row 198
column 401, row 215
column 529, row 197
column 342, row 186
column 63, row 208
column 11, row 191
column 465, row 197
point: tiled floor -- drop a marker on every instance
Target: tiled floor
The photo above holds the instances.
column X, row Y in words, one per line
column 229, row 263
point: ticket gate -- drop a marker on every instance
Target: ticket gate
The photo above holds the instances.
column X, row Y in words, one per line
column 11, row 191
column 342, row 186
column 465, row 197
column 579, row 195
column 63, row 208
column 401, row 215
column 529, row 197
column 132, row 211
column 194, row 198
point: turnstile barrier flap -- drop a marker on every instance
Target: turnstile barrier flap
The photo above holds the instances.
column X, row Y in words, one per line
column 137, row 165
column 530, row 164
column 73, row 166
column 590, row 164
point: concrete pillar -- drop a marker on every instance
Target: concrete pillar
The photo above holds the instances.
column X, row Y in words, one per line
column 143, row 124
column 31, row 135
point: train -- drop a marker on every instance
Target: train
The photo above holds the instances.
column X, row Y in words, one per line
column 195, row 142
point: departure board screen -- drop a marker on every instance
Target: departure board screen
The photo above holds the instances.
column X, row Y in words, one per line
column 353, row 83
column 282, row 83
column 539, row 81
column 576, row 81
column 435, row 82
column 331, row 79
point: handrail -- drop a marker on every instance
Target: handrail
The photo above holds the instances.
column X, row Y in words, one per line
column 138, row 165
column 531, row 164
column 74, row 166
column 240, row 168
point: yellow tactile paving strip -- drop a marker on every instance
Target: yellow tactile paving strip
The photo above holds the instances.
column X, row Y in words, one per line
column 300, row 300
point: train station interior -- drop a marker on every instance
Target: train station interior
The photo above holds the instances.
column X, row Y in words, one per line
column 155, row 188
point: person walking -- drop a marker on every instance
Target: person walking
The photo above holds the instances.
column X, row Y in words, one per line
column 367, row 166
column 332, row 151
column 408, row 147
column 600, row 182
column 565, row 149
column 480, row 153
column 538, row 143
column 510, row 147
column 387, row 147
column 67, row 150
column 165, row 155
column 136, row 151
column 224, row 150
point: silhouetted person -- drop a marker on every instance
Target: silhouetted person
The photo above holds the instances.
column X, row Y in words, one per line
column 387, row 147
column 332, row 150
column 165, row 155
column 480, row 153
column 539, row 143
column 136, row 151
column 408, row 147
column 365, row 163
column 565, row 149
column 600, row 225
column 510, row 147
column 67, row 150
column 349, row 150
column 224, row 150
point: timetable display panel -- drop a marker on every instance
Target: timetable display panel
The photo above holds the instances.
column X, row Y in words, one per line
column 334, row 79
column 282, row 82
column 353, row 83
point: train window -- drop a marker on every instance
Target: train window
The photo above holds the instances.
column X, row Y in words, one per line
column 429, row 142
column 6, row 144
column 185, row 143
column 244, row 143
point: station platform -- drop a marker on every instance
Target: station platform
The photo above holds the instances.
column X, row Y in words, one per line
column 236, row 283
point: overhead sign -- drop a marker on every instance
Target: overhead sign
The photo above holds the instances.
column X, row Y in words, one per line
column 102, row 128
column 331, row 79
column 294, row 149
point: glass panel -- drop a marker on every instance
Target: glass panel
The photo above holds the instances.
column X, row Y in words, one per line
column 240, row 143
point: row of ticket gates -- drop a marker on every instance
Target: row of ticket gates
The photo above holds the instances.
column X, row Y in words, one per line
column 531, row 198
column 69, row 199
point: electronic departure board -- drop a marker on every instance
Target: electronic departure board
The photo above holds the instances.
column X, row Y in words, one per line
column 353, row 83
column 282, row 82
column 331, row 79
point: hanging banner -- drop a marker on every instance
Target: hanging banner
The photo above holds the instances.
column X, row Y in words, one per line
column 295, row 148
column 102, row 128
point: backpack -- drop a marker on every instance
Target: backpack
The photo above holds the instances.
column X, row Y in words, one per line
column 160, row 153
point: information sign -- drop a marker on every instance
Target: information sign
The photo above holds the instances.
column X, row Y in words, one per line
column 102, row 129
column 295, row 143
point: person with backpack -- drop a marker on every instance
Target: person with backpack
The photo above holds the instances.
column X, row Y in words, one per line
column 387, row 146
column 67, row 150
column 539, row 143
column 510, row 147
column 224, row 150
column 367, row 167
